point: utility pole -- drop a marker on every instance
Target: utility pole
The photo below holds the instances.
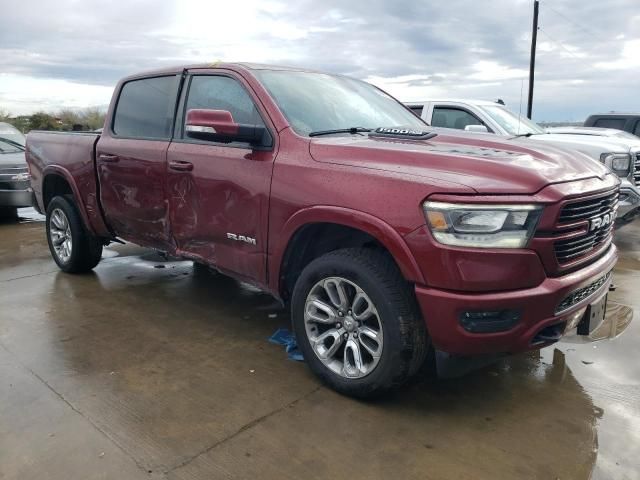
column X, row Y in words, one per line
column 532, row 65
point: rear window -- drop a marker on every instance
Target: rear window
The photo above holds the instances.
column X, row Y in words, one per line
column 145, row 108
column 617, row 123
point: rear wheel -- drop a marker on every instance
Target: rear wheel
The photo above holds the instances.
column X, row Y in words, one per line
column 357, row 322
column 72, row 247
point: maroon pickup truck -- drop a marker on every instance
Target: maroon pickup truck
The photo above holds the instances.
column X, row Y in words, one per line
column 387, row 239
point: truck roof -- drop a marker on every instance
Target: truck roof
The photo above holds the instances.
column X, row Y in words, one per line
column 615, row 114
column 229, row 65
column 452, row 100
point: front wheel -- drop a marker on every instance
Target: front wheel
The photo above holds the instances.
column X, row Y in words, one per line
column 72, row 247
column 357, row 322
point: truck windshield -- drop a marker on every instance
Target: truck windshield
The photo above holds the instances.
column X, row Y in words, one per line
column 316, row 102
column 512, row 123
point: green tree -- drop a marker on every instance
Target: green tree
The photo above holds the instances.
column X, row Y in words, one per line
column 5, row 116
column 43, row 121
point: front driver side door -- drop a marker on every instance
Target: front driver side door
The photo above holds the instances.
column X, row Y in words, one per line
column 218, row 193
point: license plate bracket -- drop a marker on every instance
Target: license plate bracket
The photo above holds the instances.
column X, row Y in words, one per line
column 593, row 317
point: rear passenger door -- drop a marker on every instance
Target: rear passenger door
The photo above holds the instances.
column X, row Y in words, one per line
column 218, row 193
column 131, row 158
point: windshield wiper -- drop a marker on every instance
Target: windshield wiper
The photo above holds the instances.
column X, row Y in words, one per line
column 525, row 135
column 12, row 143
column 352, row 130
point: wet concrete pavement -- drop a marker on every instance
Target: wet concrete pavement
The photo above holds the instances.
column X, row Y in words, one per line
column 136, row 371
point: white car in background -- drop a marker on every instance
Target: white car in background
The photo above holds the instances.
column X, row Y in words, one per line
column 619, row 152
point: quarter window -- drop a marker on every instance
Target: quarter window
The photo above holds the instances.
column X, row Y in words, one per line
column 453, row 118
column 145, row 108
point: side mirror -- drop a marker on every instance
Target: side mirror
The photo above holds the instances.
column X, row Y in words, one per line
column 219, row 126
column 476, row 129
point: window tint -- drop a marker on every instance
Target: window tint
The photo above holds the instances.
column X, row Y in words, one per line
column 223, row 93
column 417, row 110
column 617, row 123
column 453, row 118
column 145, row 108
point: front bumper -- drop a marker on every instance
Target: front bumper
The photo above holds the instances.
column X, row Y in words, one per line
column 16, row 198
column 442, row 310
column 629, row 203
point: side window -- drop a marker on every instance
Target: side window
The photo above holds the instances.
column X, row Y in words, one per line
column 457, row 118
column 145, row 108
column 417, row 110
column 636, row 131
column 617, row 123
column 223, row 93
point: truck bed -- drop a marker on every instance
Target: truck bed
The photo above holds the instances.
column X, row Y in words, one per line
column 70, row 155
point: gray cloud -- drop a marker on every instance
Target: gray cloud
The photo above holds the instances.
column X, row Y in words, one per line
column 426, row 46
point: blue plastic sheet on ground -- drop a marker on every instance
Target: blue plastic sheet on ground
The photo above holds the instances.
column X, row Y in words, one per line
column 282, row 336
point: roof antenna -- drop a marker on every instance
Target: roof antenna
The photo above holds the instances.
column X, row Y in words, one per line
column 500, row 102
column 520, row 111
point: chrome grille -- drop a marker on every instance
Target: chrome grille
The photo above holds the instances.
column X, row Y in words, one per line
column 636, row 169
column 582, row 210
column 579, row 295
column 570, row 249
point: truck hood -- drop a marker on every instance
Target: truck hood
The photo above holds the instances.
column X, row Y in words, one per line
column 593, row 146
column 488, row 164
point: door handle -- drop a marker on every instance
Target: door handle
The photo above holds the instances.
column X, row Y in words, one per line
column 108, row 158
column 181, row 166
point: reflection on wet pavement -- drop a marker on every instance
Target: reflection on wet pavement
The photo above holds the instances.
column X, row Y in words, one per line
column 148, row 368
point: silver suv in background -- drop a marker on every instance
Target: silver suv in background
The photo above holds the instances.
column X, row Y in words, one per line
column 15, row 188
column 620, row 154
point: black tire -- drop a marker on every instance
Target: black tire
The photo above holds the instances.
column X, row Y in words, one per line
column 405, row 335
column 86, row 250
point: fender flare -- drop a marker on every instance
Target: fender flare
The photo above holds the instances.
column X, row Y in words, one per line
column 374, row 226
column 64, row 173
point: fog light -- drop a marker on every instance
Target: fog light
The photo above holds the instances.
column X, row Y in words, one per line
column 574, row 319
column 489, row 321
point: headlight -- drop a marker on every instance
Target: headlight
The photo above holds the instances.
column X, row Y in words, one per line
column 482, row 226
column 618, row 162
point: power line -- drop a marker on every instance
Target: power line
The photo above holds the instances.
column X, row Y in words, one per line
column 560, row 44
column 586, row 30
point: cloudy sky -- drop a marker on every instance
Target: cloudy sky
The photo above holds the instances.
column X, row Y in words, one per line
column 70, row 53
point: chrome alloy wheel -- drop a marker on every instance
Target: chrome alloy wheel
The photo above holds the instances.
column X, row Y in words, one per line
column 60, row 233
column 343, row 327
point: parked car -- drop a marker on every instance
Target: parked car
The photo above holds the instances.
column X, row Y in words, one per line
column 622, row 155
column 15, row 188
column 629, row 122
column 384, row 237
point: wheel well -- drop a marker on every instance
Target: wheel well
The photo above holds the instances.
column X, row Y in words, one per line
column 53, row 186
column 314, row 240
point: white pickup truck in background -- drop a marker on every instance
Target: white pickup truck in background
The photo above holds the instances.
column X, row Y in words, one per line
column 621, row 154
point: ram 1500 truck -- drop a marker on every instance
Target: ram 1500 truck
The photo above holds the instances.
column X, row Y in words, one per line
column 621, row 154
column 385, row 238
